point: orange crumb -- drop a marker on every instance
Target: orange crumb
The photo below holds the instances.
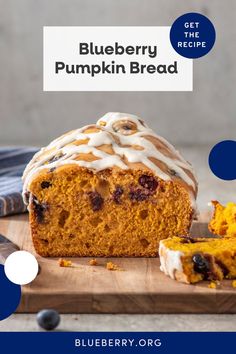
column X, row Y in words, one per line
column 64, row 263
column 112, row 266
column 93, row 262
column 234, row 283
column 212, row 285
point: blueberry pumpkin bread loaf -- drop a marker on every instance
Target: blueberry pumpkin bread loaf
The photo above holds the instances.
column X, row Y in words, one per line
column 191, row 260
column 113, row 188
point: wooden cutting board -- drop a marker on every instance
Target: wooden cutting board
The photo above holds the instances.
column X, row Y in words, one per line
column 139, row 288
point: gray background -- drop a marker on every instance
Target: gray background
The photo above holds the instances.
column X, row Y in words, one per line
column 30, row 116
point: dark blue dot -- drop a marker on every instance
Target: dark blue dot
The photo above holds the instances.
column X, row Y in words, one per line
column 192, row 35
column 10, row 295
column 222, row 160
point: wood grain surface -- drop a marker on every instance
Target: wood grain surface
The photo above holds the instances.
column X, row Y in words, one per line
column 139, row 287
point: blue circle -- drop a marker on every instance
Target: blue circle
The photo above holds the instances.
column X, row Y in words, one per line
column 10, row 295
column 192, row 35
column 222, row 160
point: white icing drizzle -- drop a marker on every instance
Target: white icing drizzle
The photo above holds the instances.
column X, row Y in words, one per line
column 124, row 147
column 170, row 260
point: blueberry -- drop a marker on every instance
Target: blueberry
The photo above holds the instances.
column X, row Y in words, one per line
column 96, row 200
column 201, row 264
column 45, row 184
column 48, row 319
column 117, row 194
column 148, row 182
column 39, row 210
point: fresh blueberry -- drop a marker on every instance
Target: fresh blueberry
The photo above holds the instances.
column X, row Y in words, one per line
column 48, row 319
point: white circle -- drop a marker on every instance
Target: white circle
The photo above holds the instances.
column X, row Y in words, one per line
column 21, row 267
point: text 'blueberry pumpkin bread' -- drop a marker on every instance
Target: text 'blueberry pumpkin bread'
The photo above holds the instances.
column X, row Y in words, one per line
column 113, row 188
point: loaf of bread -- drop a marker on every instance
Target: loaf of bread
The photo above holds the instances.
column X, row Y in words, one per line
column 113, row 188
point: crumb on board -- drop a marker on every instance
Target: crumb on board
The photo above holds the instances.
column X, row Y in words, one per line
column 64, row 263
column 212, row 285
column 234, row 283
column 112, row 266
column 93, row 262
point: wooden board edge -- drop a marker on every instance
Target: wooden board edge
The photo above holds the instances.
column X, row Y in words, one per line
column 214, row 303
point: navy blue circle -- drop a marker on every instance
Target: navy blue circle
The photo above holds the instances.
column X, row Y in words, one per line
column 10, row 295
column 202, row 27
column 222, row 160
